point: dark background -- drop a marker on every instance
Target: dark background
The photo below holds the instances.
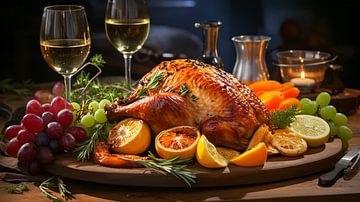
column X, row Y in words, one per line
column 297, row 24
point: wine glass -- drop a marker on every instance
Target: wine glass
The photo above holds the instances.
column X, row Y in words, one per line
column 65, row 40
column 127, row 26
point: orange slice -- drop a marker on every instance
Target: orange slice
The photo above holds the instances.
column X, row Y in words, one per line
column 178, row 142
column 130, row 136
column 208, row 156
column 256, row 156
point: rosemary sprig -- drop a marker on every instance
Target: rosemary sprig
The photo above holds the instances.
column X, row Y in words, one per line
column 49, row 183
column 85, row 149
column 184, row 90
column 23, row 89
column 17, row 188
column 98, row 60
column 153, row 83
column 173, row 166
column 283, row 118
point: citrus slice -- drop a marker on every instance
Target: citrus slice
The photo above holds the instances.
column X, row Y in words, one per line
column 178, row 142
column 130, row 136
column 256, row 156
column 227, row 153
column 313, row 129
column 207, row 155
column 289, row 143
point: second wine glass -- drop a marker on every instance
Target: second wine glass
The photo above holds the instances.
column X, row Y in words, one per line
column 127, row 26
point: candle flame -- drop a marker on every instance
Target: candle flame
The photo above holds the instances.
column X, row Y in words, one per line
column 302, row 75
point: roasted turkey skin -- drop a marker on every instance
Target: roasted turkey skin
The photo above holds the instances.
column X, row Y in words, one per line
column 192, row 93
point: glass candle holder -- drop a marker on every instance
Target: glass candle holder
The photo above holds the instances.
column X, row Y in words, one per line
column 305, row 69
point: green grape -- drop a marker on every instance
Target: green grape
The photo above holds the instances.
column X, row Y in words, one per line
column 93, row 106
column 340, row 119
column 344, row 144
column 104, row 102
column 100, row 116
column 327, row 112
column 87, row 120
column 333, row 128
column 323, row 99
column 307, row 106
column 76, row 106
column 344, row 133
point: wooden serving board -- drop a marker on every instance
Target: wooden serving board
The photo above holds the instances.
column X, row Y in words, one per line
column 276, row 168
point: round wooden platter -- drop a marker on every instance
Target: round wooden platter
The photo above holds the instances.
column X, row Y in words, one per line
column 276, row 168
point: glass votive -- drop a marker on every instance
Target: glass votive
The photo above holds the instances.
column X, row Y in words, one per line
column 305, row 69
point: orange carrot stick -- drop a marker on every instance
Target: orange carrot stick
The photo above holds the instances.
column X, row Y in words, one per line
column 291, row 92
column 272, row 99
column 285, row 86
column 264, row 85
column 288, row 103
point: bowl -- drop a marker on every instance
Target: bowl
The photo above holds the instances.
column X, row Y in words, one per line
column 304, row 68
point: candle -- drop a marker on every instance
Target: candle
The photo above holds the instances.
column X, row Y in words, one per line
column 304, row 84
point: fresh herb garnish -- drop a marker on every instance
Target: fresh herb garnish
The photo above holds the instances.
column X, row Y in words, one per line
column 283, row 118
column 49, row 183
column 194, row 98
column 98, row 60
column 184, row 90
column 85, row 149
column 17, row 188
column 153, row 83
column 173, row 166
column 23, row 89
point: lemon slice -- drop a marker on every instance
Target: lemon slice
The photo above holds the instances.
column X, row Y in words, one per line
column 227, row 153
column 130, row 136
column 207, row 155
column 312, row 128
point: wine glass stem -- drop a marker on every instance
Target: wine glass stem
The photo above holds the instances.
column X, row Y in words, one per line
column 127, row 59
column 67, row 82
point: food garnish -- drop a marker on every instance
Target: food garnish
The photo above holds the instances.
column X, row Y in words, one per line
column 18, row 188
column 208, row 156
column 178, row 141
column 152, row 84
column 283, row 118
column 288, row 143
column 256, row 156
column 130, row 136
column 227, row 153
column 49, row 183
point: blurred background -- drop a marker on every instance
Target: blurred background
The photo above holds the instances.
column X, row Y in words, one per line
column 326, row 25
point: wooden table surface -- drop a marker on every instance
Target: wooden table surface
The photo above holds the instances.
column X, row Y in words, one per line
column 300, row 189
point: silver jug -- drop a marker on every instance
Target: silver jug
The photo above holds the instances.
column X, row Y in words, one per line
column 250, row 65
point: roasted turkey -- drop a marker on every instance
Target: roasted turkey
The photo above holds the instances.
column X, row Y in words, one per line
column 188, row 92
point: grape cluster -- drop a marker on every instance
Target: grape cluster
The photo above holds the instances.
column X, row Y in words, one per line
column 45, row 130
column 337, row 121
column 92, row 114
column 45, row 96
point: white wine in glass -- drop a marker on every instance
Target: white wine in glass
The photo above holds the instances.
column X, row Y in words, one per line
column 127, row 26
column 65, row 40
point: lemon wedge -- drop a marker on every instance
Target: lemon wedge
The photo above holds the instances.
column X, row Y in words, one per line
column 207, row 155
column 313, row 129
column 130, row 136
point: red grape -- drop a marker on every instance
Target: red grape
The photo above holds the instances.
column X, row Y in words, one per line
column 42, row 139
column 47, row 117
column 58, row 89
column 33, row 123
column 25, row 136
column 68, row 142
column 47, row 107
column 45, row 155
column 13, row 147
column 35, row 167
column 34, row 106
column 65, row 118
column 57, row 104
column 55, row 146
column 27, row 153
column 68, row 105
column 43, row 96
column 54, row 130
column 12, row 131
column 79, row 133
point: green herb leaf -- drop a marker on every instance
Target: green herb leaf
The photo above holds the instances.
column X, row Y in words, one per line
column 98, row 60
column 49, row 183
column 184, row 90
column 24, row 88
column 194, row 98
column 173, row 166
column 283, row 118
column 153, row 83
column 17, row 188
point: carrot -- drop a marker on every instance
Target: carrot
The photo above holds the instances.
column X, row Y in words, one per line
column 291, row 92
column 264, row 85
column 288, row 103
column 285, row 86
column 272, row 99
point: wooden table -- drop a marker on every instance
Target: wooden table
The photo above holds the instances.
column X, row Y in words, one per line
column 300, row 189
